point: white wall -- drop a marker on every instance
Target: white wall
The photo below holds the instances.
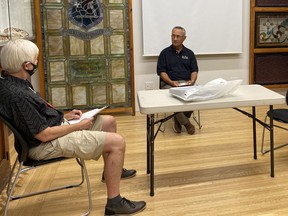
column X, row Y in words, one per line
column 204, row 20
column 228, row 67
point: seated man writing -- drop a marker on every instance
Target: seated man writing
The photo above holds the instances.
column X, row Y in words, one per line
column 177, row 66
column 48, row 131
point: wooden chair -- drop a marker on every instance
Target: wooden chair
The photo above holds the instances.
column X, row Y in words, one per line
column 25, row 164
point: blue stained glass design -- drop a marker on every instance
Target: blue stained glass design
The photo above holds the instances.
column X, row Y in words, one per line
column 85, row 13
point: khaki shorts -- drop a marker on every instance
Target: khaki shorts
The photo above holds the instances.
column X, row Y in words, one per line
column 85, row 144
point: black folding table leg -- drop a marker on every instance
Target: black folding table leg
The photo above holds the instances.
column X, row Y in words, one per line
column 254, row 132
column 148, row 135
column 271, row 141
column 152, row 155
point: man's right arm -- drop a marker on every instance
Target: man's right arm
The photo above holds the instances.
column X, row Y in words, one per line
column 164, row 76
column 162, row 68
column 51, row 133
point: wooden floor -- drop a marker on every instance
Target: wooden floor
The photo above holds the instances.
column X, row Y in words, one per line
column 210, row 173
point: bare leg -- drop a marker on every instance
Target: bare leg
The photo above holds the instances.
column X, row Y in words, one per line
column 109, row 124
column 113, row 155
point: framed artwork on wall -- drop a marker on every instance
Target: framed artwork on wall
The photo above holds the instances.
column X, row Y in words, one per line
column 271, row 29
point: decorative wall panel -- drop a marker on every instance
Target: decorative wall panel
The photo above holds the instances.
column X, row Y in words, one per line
column 87, row 53
column 271, row 30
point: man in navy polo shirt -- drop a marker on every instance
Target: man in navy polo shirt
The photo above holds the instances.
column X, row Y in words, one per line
column 177, row 66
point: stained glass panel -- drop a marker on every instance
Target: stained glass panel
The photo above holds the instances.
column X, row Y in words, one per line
column 99, row 95
column 97, row 46
column 54, row 19
column 117, row 44
column 57, row 71
column 58, row 96
column 116, row 1
column 55, row 46
column 119, row 93
column 116, row 19
column 76, row 46
column 118, row 68
column 79, row 96
column 87, row 53
column 87, row 70
column 271, row 29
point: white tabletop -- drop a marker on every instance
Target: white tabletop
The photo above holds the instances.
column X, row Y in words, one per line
column 159, row 101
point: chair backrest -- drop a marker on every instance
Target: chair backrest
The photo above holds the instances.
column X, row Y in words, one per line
column 280, row 115
column 20, row 144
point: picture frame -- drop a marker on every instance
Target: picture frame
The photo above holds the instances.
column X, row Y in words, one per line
column 271, row 29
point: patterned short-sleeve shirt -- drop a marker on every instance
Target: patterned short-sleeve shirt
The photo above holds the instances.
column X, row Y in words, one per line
column 25, row 108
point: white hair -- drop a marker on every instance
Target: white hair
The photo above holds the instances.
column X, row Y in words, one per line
column 16, row 52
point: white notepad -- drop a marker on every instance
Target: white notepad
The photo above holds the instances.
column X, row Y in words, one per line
column 88, row 114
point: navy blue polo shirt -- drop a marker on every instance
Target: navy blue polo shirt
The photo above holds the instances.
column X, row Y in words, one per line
column 178, row 66
column 25, row 108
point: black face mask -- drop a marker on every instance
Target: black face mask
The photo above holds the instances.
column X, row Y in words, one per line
column 31, row 72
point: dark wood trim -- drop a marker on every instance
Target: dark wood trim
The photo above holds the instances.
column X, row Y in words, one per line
column 4, row 157
column 131, row 57
column 5, row 171
column 270, row 9
column 252, row 38
column 38, row 27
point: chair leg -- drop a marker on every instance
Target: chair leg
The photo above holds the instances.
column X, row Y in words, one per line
column 48, row 190
column 163, row 126
column 11, row 184
column 197, row 120
column 21, row 169
column 263, row 151
column 81, row 162
column 263, row 136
